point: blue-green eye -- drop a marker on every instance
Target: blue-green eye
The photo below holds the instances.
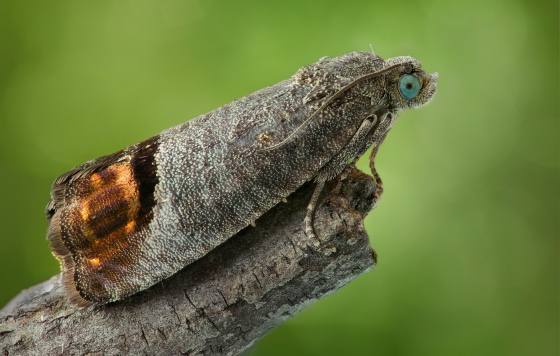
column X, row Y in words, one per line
column 409, row 86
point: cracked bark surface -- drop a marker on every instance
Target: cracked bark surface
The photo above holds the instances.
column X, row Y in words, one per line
column 222, row 303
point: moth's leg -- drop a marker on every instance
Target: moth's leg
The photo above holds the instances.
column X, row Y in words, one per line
column 378, row 181
column 375, row 141
column 355, row 147
column 310, row 214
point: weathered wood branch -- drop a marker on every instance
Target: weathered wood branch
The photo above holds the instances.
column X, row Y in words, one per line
column 222, row 303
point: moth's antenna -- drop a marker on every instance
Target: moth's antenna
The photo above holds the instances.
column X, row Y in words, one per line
column 371, row 49
column 332, row 98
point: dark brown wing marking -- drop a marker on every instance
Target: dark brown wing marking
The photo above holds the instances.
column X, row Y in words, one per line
column 97, row 214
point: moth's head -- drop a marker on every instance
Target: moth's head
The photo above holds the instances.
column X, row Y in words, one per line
column 408, row 85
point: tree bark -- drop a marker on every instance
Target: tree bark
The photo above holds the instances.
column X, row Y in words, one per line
column 220, row 304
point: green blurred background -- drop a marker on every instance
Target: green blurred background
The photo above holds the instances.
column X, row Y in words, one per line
column 467, row 230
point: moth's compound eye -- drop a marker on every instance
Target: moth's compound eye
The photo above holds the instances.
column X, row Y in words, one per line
column 409, row 86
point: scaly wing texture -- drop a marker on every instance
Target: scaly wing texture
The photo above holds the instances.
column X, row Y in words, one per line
column 98, row 215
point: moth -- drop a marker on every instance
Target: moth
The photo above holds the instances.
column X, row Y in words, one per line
column 123, row 222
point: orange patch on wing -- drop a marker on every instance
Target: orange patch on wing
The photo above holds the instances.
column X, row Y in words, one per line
column 94, row 262
column 108, row 208
column 130, row 227
column 96, row 180
column 84, row 212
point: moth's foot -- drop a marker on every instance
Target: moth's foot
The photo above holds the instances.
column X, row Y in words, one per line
column 311, row 239
column 310, row 242
column 346, row 171
column 342, row 177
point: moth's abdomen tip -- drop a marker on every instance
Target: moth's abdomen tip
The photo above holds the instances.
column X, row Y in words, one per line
column 99, row 218
column 93, row 232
